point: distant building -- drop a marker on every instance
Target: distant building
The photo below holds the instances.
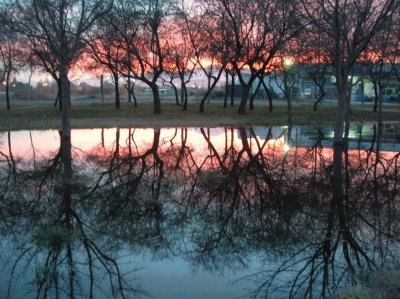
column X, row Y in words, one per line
column 162, row 91
column 306, row 81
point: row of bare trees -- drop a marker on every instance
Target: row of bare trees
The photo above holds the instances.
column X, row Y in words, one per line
column 142, row 40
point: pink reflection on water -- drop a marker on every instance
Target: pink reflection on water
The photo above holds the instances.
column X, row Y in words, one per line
column 204, row 144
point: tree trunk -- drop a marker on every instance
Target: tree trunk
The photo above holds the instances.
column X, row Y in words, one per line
column 185, row 96
column 320, row 97
column 340, row 116
column 58, row 97
column 210, row 89
column 244, row 99
column 269, row 95
column 226, row 88
column 182, row 91
column 380, row 116
column 102, row 88
column 376, row 93
column 129, row 89
column 338, row 144
column 253, row 96
column 203, row 100
column 116, row 87
column 362, row 88
column 233, row 90
column 65, row 99
column 156, row 96
column 251, row 102
column 8, row 89
column 134, row 99
column 29, row 84
column 176, row 94
column 347, row 115
column 289, row 103
column 288, row 94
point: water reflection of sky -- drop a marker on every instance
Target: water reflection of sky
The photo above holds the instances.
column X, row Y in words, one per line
column 176, row 203
column 170, row 278
column 47, row 141
column 176, row 279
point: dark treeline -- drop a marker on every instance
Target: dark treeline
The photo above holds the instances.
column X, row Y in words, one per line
column 69, row 214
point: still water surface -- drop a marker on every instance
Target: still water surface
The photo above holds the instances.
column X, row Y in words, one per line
column 196, row 213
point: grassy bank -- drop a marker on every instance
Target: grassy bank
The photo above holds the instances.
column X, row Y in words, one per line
column 95, row 115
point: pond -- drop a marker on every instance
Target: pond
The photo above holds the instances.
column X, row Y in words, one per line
column 196, row 212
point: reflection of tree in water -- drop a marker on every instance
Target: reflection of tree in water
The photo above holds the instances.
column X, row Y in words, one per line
column 244, row 203
column 285, row 207
column 52, row 236
column 341, row 236
column 127, row 189
column 248, row 198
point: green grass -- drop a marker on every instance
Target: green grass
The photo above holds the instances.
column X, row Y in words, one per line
column 105, row 115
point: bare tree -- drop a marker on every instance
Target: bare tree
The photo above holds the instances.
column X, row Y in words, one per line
column 10, row 51
column 206, row 32
column 141, row 27
column 3, row 22
column 171, row 75
column 65, row 264
column 380, row 53
column 255, row 31
column 349, row 25
column 179, row 58
column 395, row 42
column 59, row 26
column 316, row 63
column 44, row 59
column 7, row 59
column 104, row 49
column 32, row 67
